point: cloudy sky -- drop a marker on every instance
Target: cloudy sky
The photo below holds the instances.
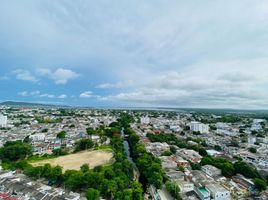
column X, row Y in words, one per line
column 208, row 54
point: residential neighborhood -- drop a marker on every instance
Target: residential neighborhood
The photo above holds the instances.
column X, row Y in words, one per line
column 198, row 152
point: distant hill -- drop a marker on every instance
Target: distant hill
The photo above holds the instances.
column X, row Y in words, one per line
column 27, row 104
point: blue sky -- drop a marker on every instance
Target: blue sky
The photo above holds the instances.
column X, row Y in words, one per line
column 175, row 53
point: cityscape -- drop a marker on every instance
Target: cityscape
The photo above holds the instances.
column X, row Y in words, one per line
column 83, row 153
column 133, row 100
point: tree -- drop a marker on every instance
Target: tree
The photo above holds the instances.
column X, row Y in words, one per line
column 227, row 169
column 137, row 191
column 181, row 168
column 92, row 194
column 84, row 168
column 260, row 184
column 173, row 189
column 217, row 148
column 90, row 131
column 15, row 150
column 203, row 152
column 59, row 152
column 187, row 128
column 195, row 166
column 173, row 149
column 166, row 153
column 75, row 180
column 45, row 130
column 55, row 174
column 246, row 170
column 61, row 135
column 84, row 144
column 252, row 150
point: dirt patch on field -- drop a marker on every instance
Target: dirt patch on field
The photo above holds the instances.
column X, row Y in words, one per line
column 74, row 161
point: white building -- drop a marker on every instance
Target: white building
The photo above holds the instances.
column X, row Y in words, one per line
column 256, row 127
column 37, row 137
column 218, row 192
column 3, row 121
column 251, row 140
column 145, row 120
column 185, row 186
column 211, row 170
column 198, row 126
column 255, row 121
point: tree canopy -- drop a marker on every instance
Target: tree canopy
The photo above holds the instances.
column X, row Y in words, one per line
column 15, row 150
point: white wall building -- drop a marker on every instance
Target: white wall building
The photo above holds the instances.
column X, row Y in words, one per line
column 37, row 137
column 211, row 170
column 218, row 192
column 3, row 121
column 185, row 186
column 145, row 120
column 198, row 126
column 251, row 140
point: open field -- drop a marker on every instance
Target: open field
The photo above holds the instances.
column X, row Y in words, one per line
column 74, row 161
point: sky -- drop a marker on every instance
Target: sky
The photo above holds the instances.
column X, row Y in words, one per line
column 176, row 53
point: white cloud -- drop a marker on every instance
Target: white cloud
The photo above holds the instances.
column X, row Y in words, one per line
column 23, row 93
column 231, row 84
column 51, row 96
column 173, row 57
column 43, row 71
column 25, row 75
column 62, row 96
column 86, row 94
column 38, row 94
column 120, row 84
column 35, row 92
column 60, row 76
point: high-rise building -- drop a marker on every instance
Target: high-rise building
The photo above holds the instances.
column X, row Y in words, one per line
column 3, row 121
column 145, row 120
column 198, row 126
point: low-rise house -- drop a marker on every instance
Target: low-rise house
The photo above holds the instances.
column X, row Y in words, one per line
column 168, row 163
column 175, row 175
column 243, row 182
column 203, row 193
column 190, row 154
column 211, row 171
column 157, row 148
column 218, row 192
column 185, row 186
column 181, row 162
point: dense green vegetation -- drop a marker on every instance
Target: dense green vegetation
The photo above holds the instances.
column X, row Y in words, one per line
column 169, row 138
column 229, row 169
column 173, row 189
column 226, row 166
column 260, row 184
column 15, row 150
column 83, row 144
column 48, row 120
column 252, row 150
column 149, row 166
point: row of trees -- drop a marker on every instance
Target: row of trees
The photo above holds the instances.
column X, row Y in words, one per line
column 169, row 138
column 149, row 166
